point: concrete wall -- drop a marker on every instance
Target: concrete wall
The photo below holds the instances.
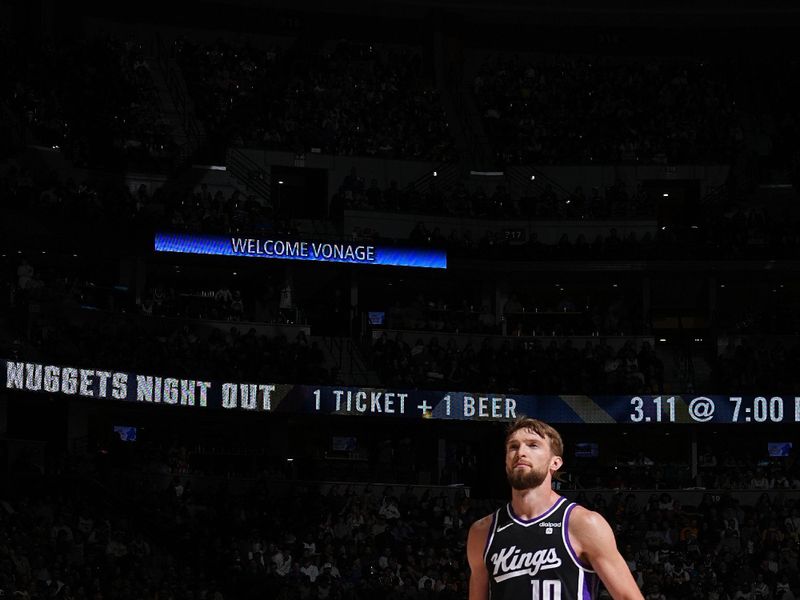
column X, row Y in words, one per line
column 338, row 167
column 462, row 339
column 201, row 327
column 399, row 226
column 601, row 176
column 569, row 177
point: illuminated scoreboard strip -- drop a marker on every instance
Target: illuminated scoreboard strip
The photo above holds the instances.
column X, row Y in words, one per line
column 302, row 250
column 201, row 394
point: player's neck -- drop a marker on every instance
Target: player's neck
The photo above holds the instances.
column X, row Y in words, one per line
column 534, row 502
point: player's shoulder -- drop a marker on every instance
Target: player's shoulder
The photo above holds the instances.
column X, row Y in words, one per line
column 480, row 530
column 478, row 537
column 477, row 541
column 482, row 525
column 580, row 515
column 586, row 523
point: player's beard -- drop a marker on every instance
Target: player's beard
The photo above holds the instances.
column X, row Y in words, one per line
column 521, row 479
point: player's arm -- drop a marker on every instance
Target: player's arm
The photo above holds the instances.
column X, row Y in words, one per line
column 476, row 546
column 593, row 541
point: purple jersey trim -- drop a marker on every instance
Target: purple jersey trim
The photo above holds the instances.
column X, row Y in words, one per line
column 527, row 522
column 490, row 537
column 567, row 542
column 589, row 587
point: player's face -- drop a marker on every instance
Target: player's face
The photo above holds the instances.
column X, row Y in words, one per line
column 529, row 460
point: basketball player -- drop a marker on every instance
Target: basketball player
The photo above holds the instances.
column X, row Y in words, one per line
column 540, row 546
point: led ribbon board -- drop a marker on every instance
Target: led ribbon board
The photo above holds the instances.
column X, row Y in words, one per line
column 200, row 394
column 289, row 249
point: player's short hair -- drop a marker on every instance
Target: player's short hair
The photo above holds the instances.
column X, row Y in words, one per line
column 541, row 429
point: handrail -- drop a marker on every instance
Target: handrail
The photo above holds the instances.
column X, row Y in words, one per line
column 357, row 361
column 516, row 177
column 284, row 487
column 179, row 94
column 244, row 158
column 346, row 355
column 335, row 349
column 714, row 195
column 483, row 152
column 250, row 173
column 180, row 97
column 447, row 174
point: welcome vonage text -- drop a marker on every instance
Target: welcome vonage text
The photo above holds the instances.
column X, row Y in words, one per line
column 300, row 249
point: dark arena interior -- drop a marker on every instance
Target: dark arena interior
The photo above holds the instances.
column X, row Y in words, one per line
column 275, row 278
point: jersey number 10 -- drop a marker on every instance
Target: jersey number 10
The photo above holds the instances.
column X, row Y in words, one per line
column 549, row 589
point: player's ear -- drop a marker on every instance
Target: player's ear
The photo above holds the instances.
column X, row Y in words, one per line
column 556, row 462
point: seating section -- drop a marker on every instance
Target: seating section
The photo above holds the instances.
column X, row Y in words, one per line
column 93, row 99
column 346, row 98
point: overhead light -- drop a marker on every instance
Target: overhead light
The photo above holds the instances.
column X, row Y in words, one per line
column 533, row 177
column 665, row 194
